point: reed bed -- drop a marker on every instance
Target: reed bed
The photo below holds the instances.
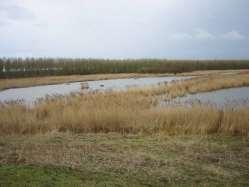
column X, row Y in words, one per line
column 202, row 83
column 123, row 112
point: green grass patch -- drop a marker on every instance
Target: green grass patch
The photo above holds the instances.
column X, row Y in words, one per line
column 16, row 175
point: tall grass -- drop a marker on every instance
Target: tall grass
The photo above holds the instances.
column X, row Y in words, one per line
column 122, row 112
column 30, row 67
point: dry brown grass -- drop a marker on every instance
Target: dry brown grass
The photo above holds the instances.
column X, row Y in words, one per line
column 122, row 112
column 214, row 72
column 89, row 113
column 202, row 83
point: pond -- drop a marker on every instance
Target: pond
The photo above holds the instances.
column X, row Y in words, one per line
column 31, row 94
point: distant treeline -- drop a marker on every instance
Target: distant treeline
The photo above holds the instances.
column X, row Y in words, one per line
column 31, row 67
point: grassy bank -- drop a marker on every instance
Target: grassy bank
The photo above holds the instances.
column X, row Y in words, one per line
column 62, row 159
column 17, row 68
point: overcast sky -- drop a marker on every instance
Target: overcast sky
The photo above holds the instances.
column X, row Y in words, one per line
column 173, row 29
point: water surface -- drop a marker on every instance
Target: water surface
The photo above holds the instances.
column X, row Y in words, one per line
column 221, row 98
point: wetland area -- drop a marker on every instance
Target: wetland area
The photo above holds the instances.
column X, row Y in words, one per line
column 142, row 130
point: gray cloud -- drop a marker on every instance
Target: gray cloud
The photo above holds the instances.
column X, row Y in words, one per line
column 11, row 11
column 125, row 28
column 180, row 36
column 201, row 34
column 233, row 35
